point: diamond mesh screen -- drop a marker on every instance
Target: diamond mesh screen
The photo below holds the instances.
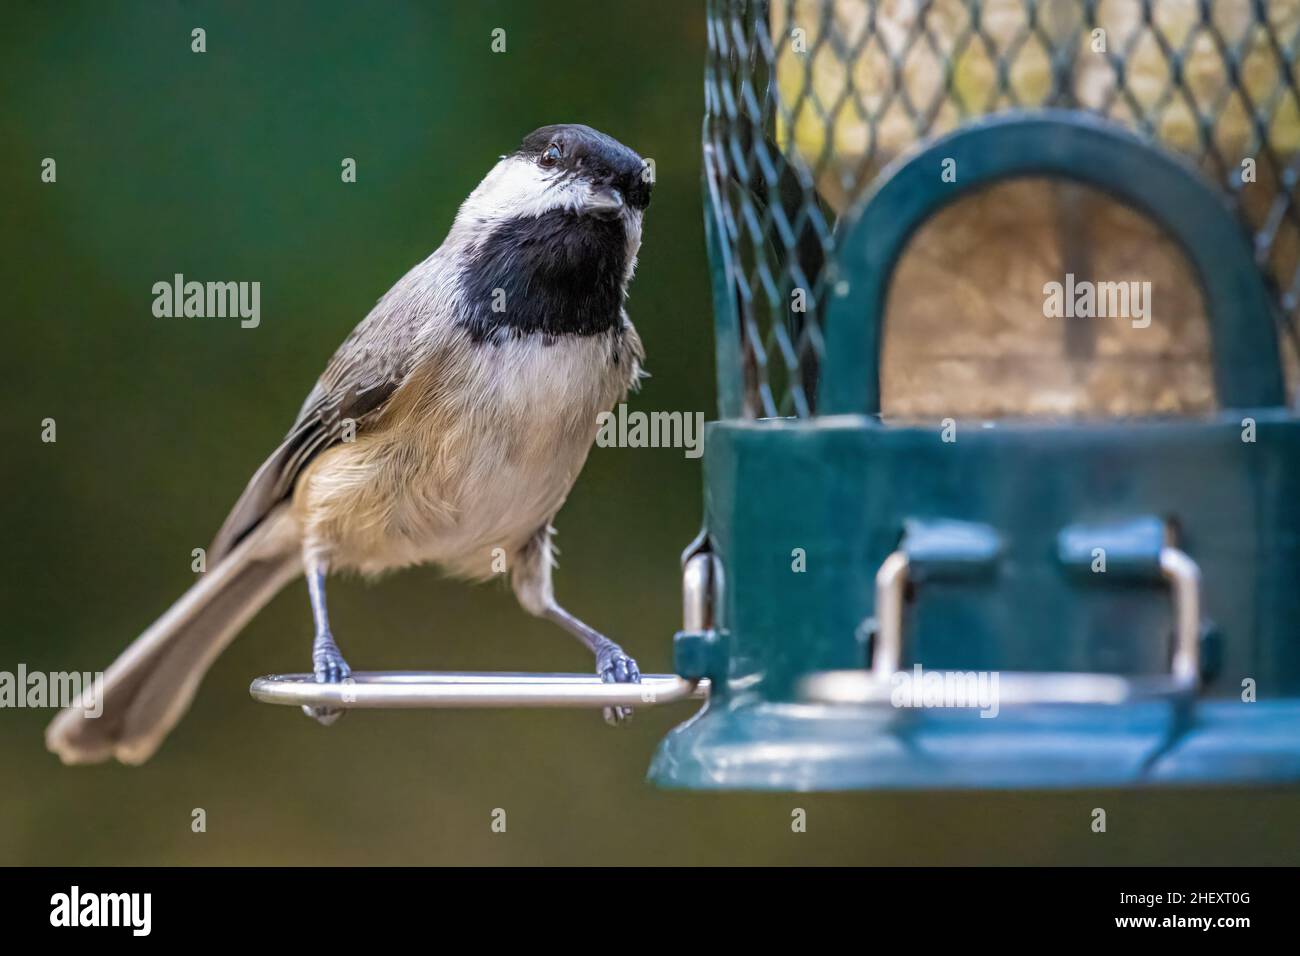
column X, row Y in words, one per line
column 806, row 101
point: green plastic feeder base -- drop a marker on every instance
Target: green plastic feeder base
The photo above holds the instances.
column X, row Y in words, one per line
column 804, row 519
column 795, row 747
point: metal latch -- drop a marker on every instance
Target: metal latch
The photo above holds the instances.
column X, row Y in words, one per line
column 970, row 548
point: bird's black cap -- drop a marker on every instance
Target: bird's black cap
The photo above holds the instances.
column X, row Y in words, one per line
column 592, row 154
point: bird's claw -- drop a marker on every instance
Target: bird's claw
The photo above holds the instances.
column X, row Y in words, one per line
column 330, row 668
column 615, row 667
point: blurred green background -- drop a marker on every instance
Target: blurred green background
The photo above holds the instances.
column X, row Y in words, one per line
column 225, row 165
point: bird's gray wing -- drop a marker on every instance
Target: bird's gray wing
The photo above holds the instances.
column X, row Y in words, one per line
column 367, row 369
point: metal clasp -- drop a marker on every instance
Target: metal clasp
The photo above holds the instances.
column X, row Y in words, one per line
column 875, row 686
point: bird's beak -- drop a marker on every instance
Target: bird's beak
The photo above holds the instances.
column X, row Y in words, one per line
column 604, row 202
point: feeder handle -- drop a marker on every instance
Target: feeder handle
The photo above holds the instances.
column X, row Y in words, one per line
column 876, row 685
column 1179, row 570
column 1068, row 145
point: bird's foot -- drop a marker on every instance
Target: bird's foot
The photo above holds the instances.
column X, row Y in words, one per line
column 330, row 668
column 615, row 667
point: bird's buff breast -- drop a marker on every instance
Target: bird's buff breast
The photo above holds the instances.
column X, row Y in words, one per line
column 476, row 453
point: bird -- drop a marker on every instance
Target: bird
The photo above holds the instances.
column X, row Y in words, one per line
column 447, row 430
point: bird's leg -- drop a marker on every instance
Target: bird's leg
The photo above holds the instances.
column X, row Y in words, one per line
column 612, row 663
column 531, row 579
column 327, row 661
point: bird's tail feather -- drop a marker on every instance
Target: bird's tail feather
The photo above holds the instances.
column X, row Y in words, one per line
column 150, row 686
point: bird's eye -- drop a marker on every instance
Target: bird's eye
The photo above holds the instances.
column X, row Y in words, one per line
column 550, row 156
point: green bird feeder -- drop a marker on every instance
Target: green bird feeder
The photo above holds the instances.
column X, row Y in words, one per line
column 1022, row 600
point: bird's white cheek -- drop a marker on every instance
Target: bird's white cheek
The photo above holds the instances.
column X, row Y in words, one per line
column 518, row 187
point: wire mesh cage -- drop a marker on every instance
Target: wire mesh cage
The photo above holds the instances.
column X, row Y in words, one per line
column 807, row 101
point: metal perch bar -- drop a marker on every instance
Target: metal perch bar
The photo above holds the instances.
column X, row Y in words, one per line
column 420, row 689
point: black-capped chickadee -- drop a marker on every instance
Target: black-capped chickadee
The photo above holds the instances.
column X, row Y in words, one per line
column 451, row 423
